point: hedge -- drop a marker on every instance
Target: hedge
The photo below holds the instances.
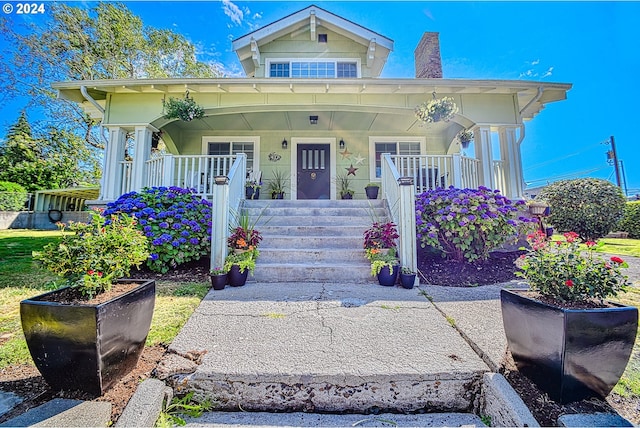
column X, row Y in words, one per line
column 12, row 196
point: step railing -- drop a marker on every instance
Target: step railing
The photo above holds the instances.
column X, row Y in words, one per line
column 399, row 192
column 227, row 194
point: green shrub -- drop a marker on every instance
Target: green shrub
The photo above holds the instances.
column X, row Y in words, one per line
column 12, row 196
column 97, row 254
column 631, row 220
column 591, row 207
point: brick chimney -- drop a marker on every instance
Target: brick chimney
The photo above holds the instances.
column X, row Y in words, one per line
column 427, row 57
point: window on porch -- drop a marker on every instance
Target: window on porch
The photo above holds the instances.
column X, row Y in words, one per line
column 394, row 148
column 233, row 148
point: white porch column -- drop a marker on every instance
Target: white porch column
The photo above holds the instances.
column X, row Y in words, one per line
column 512, row 158
column 111, row 168
column 141, row 155
column 484, row 153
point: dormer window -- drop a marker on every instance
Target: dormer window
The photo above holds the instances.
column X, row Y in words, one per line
column 313, row 69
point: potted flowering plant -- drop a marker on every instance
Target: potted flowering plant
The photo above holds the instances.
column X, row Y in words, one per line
column 218, row 278
column 372, row 190
column 562, row 333
column 436, row 110
column 239, row 265
column 381, row 236
column 185, row 109
column 88, row 334
column 383, row 265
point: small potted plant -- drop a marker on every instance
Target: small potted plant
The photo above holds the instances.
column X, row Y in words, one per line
column 239, row 265
column 185, row 109
column 384, row 266
column 436, row 110
column 407, row 277
column 252, row 189
column 344, row 186
column 372, row 190
column 218, row 278
column 277, row 185
column 562, row 333
column 381, row 236
column 90, row 333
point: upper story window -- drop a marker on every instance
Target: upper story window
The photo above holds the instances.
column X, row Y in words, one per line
column 314, row 69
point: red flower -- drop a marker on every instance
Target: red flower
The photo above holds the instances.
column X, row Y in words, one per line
column 568, row 283
column 571, row 237
column 616, row 259
column 590, row 244
column 90, row 272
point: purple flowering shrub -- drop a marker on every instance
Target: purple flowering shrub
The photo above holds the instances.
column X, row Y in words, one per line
column 466, row 224
column 176, row 222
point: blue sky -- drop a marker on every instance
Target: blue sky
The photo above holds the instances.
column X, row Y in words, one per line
column 593, row 45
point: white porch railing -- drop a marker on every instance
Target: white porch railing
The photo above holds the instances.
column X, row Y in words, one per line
column 432, row 171
column 126, row 168
column 498, row 176
column 193, row 172
column 400, row 196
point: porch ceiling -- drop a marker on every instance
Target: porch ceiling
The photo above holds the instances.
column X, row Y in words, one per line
column 331, row 120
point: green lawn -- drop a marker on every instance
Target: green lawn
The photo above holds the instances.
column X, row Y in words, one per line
column 622, row 247
column 21, row 277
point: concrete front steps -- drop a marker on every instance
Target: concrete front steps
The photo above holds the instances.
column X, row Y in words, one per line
column 313, row 240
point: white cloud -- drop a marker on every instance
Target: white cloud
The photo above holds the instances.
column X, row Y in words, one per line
column 547, row 73
column 535, row 62
column 233, row 12
column 535, row 72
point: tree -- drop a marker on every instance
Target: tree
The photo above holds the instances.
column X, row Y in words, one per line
column 106, row 41
column 55, row 159
column 591, row 207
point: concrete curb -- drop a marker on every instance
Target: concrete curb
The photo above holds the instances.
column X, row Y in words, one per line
column 501, row 402
column 145, row 405
column 61, row 412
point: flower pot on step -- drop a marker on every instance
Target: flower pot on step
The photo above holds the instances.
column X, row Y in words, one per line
column 407, row 280
column 218, row 282
column 237, row 278
column 87, row 347
column 387, row 278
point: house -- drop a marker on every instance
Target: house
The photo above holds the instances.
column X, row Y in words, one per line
column 314, row 108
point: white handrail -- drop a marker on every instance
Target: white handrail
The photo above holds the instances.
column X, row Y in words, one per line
column 399, row 192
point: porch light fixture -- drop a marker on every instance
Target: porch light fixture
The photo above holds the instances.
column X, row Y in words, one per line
column 221, row 179
column 342, row 144
column 313, row 120
column 284, row 144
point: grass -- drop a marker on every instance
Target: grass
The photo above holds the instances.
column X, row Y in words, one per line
column 21, row 277
column 621, row 247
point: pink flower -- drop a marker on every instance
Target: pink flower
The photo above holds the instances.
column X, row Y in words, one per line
column 568, row 283
column 616, row 259
column 590, row 244
column 571, row 237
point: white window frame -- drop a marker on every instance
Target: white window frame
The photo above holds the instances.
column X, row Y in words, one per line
column 290, row 60
column 235, row 139
column 390, row 139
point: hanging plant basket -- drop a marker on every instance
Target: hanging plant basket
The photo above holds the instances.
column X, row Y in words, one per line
column 185, row 109
column 465, row 136
column 436, row 110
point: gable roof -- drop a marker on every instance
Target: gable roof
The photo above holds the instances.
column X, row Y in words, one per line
column 310, row 18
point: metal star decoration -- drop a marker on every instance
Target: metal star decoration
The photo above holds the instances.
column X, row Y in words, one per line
column 351, row 170
column 358, row 160
column 346, row 153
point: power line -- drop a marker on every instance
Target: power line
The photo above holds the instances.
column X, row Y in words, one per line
column 566, row 176
column 560, row 158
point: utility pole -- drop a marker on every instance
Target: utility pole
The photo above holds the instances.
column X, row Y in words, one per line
column 613, row 156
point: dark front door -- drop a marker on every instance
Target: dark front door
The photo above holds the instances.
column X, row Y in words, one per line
column 314, row 173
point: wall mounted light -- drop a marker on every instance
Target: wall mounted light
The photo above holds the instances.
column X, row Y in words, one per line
column 313, row 120
column 284, row 144
column 342, row 144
